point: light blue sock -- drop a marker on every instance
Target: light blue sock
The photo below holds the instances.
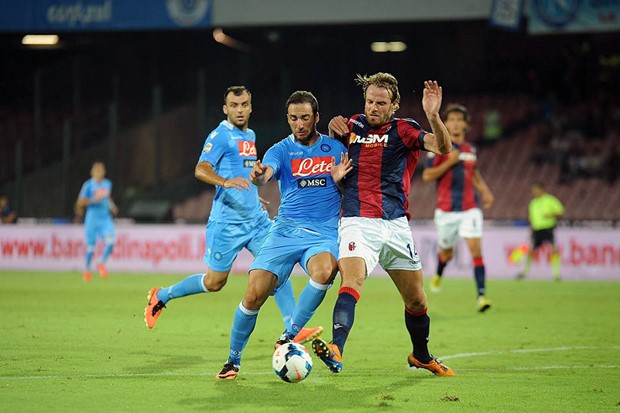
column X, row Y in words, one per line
column 187, row 286
column 243, row 325
column 309, row 299
column 286, row 302
column 109, row 247
column 90, row 251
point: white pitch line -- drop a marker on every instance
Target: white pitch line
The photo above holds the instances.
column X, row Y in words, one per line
column 561, row 367
column 532, row 350
column 258, row 373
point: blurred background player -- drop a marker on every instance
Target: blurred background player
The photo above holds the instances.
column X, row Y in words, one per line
column 374, row 228
column 544, row 211
column 96, row 198
column 458, row 211
column 305, row 231
column 237, row 218
column 7, row 213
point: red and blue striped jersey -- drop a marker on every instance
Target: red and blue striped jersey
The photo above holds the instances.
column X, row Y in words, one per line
column 455, row 188
column 384, row 160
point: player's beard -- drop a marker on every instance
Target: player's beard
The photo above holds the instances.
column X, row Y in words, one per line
column 378, row 121
column 240, row 124
column 306, row 139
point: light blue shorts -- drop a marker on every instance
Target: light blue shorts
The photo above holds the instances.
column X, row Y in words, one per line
column 101, row 228
column 286, row 246
column 225, row 240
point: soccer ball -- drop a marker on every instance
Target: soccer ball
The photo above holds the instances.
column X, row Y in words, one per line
column 292, row 362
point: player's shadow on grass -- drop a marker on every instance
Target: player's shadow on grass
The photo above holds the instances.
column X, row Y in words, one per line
column 245, row 394
column 168, row 364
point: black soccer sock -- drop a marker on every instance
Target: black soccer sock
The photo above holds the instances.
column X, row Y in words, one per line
column 441, row 264
column 479, row 275
column 344, row 315
column 419, row 325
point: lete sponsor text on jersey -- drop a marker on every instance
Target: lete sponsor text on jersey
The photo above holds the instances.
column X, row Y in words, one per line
column 246, row 148
column 318, row 165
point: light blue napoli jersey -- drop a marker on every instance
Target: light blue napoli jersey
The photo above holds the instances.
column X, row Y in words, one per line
column 232, row 152
column 103, row 191
column 309, row 196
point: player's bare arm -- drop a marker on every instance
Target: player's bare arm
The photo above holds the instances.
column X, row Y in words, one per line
column 439, row 141
column 480, row 184
column 260, row 174
column 113, row 207
column 338, row 125
column 80, row 206
column 436, row 172
column 338, row 172
column 204, row 172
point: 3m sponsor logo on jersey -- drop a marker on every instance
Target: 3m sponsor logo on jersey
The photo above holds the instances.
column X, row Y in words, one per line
column 249, row 163
column 246, row 148
column 370, row 141
column 312, row 183
column 319, row 165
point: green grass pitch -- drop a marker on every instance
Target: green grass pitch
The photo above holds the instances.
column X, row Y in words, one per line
column 69, row 346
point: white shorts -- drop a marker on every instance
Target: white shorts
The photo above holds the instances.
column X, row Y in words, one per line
column 466, row 224
column 386, row 242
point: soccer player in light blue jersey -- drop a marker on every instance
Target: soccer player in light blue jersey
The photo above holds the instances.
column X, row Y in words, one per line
column 237, row 218
column 305, row 230
column 95, row 197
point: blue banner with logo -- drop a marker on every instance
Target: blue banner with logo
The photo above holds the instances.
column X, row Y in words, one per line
column 102, row 15
column 573, row 16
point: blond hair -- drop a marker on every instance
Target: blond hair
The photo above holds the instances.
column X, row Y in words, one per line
column 383, row 81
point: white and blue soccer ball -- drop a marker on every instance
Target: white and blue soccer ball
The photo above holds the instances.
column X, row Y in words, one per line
column 292, row 362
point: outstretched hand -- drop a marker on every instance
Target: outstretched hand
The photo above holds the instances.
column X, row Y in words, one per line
column 342, row 169
column 431, row 100
column 257, row 174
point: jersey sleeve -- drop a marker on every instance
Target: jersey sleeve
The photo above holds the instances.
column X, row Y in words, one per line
column 86, row 191
column 273, row 158
column 557, row 206
column 214, row 148
column 412, row 134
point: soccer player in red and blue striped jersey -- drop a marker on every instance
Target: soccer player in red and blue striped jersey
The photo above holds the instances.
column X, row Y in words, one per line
column 458, row 211
column 374, row 227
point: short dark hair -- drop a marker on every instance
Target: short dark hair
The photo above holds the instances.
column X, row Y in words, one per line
column 383, row 81
column 237, row 91
column 302, row 96
column 458, row 108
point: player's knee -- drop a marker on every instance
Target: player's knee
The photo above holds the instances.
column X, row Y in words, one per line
column 418, row 305
column 215, row 280
column 417, row 301
column 212, row 284
column 324, row 274
column 253, row 299
column 446, row 254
